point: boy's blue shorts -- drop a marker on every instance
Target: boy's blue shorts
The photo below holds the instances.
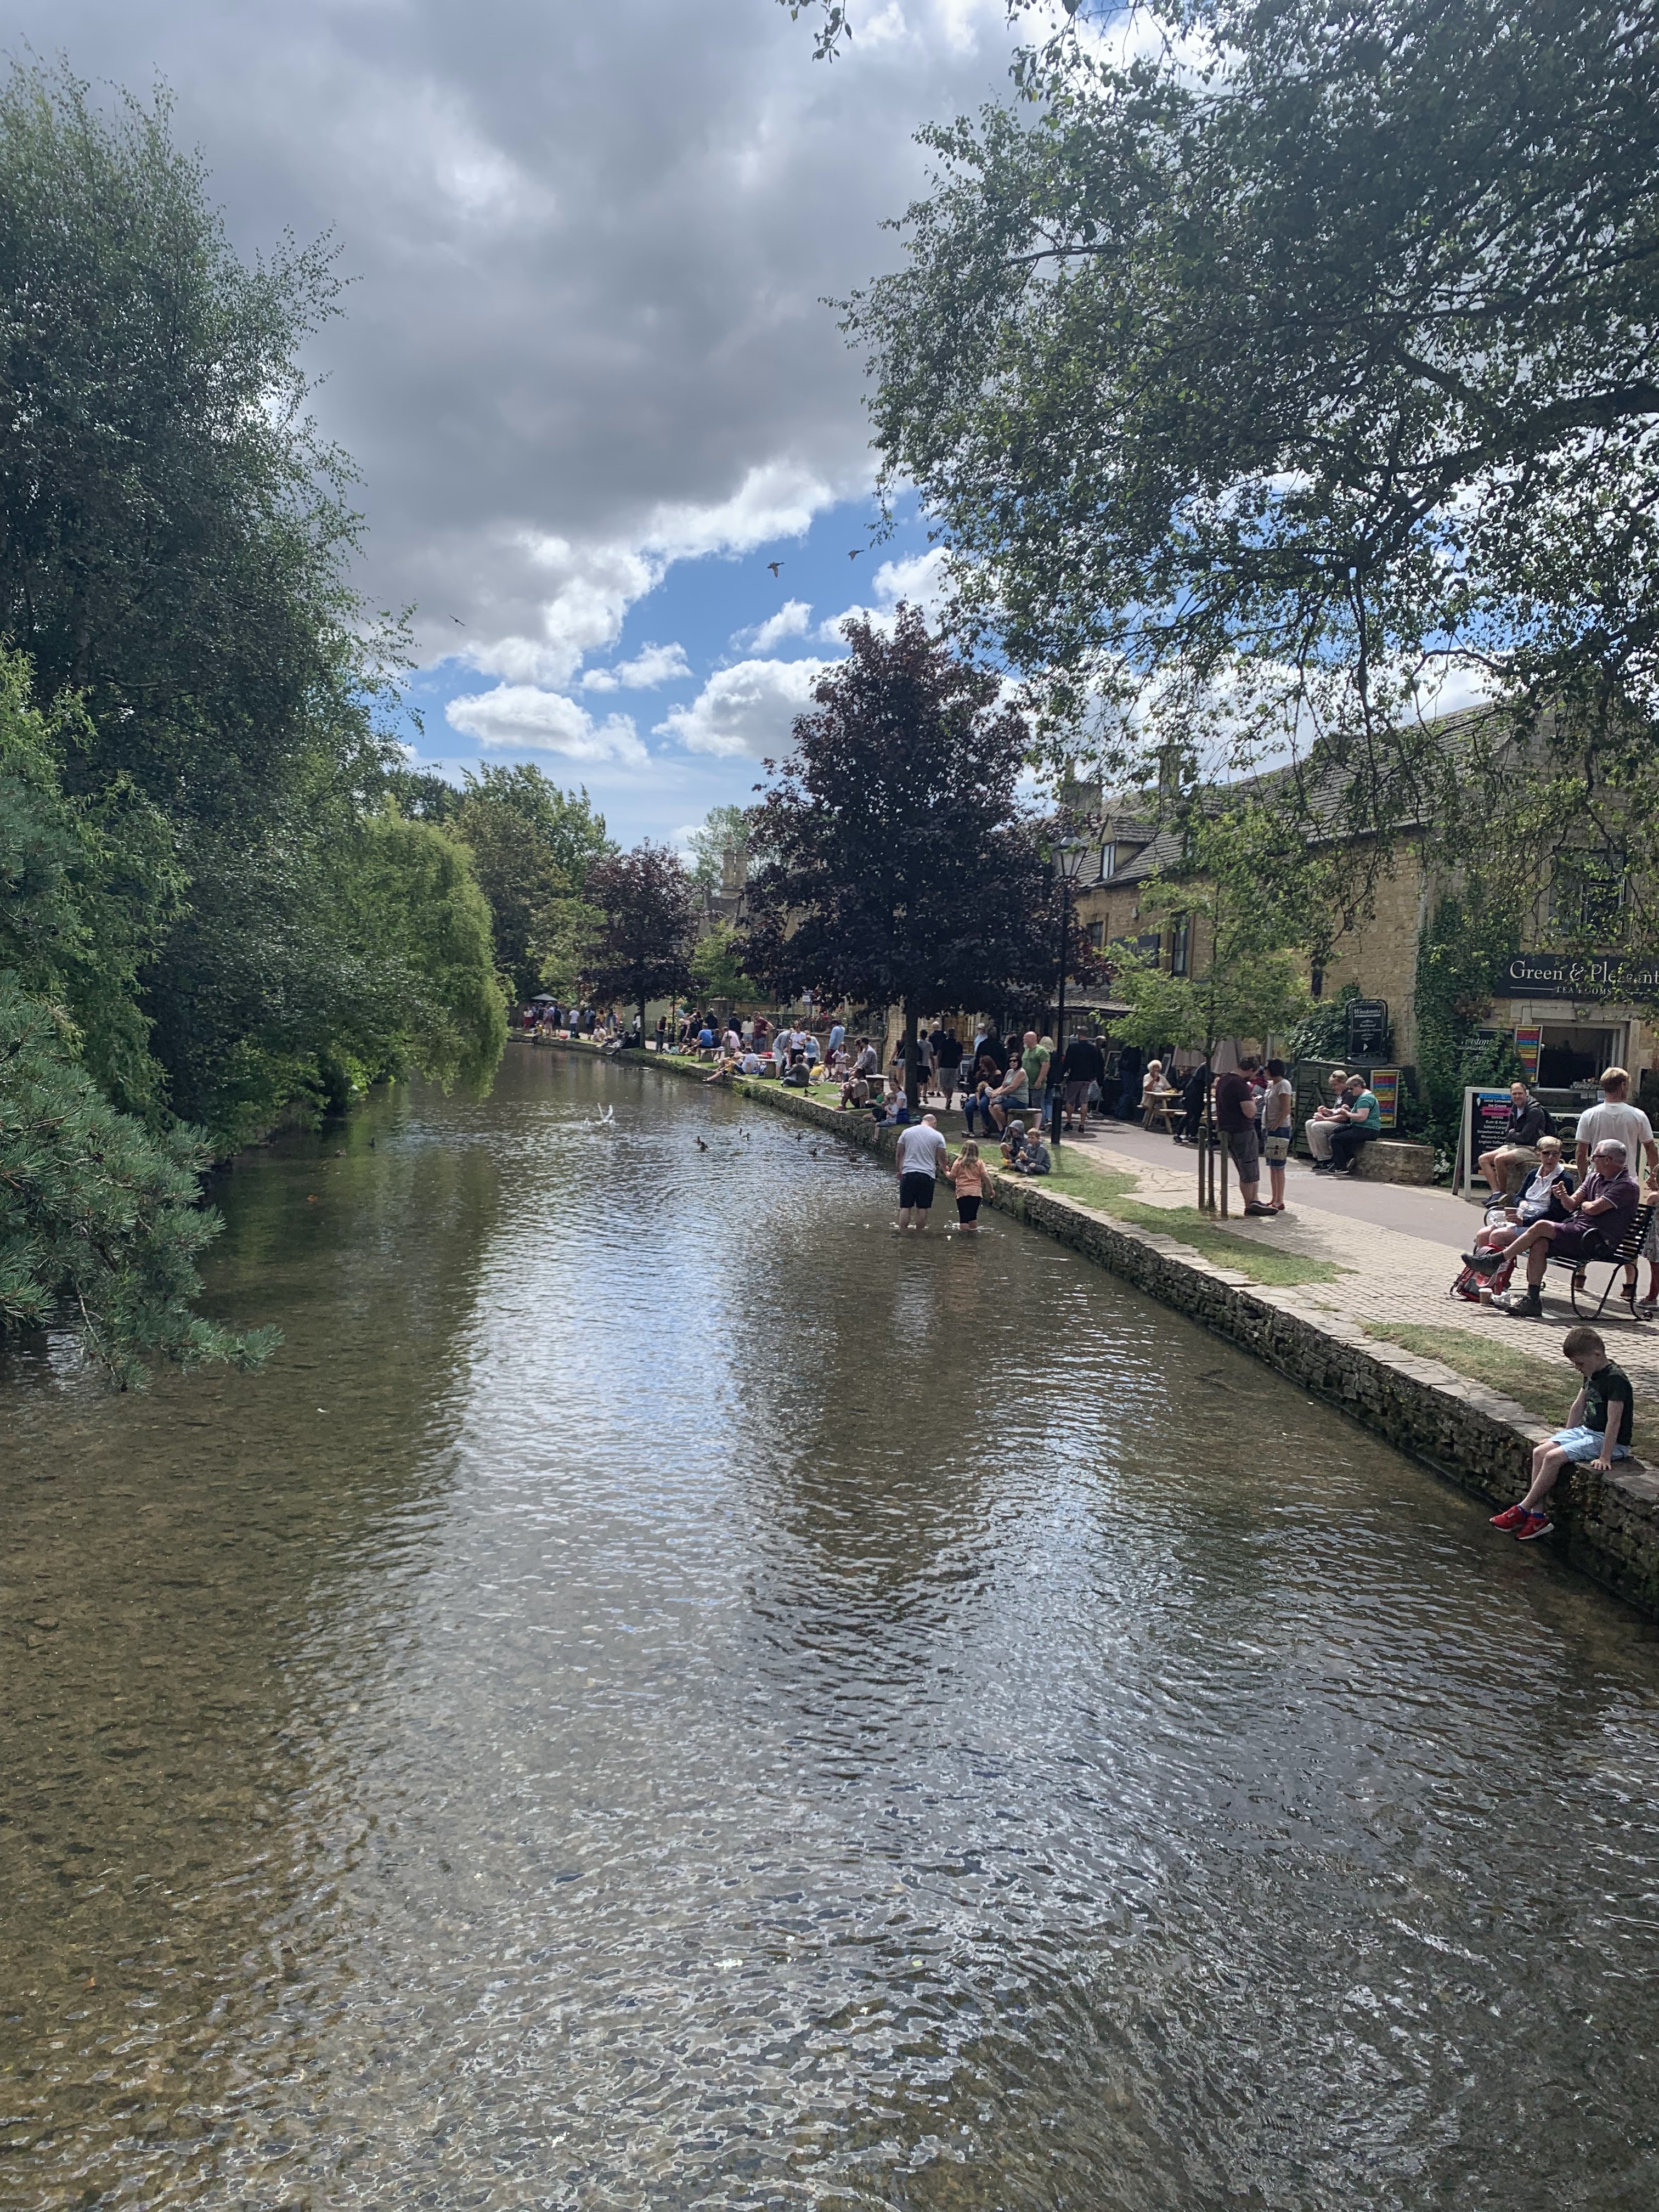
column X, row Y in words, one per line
column 1581, row 1445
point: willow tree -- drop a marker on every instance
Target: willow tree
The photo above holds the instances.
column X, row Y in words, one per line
column 901, row 868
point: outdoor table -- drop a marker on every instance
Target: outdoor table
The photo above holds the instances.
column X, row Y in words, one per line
column 1163, row 1103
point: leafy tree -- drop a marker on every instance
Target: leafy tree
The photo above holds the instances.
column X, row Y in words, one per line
column 534, row 845
column 1242, row 981
column 99, row 1222
column 717, row 966
column 427, row 940
column 642, row 948
column 724, row 829
column 175, row 550
column 87, row 888
column 1266, row 374
column 903, row 871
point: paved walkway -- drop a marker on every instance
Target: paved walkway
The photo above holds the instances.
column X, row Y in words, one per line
column 1400, row 1244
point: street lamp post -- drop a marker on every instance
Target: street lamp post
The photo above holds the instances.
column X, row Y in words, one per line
column 1068, row 865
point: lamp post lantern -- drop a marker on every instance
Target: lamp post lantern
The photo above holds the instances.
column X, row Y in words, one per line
column 1068, row 866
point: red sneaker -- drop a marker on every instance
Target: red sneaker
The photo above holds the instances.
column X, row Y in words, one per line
column 1510, row 1520
column 1535, row 1524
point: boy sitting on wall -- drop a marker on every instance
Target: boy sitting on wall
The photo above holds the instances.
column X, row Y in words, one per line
column 1598, row 1431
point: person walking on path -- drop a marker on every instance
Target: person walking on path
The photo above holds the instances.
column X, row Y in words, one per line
column 1236, row 1107
column 1598, row 1431
column 922, row 1158
column 1276, row 1119
column 1617, row 1118
column 966, row 1176
column 1083, row 1064
column 947, row 1061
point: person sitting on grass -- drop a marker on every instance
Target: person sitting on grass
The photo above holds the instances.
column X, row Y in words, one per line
column 1033, row 1157
column 1598, row 1431
column 1599, row 1214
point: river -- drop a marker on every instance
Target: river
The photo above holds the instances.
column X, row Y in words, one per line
column 665, row 1694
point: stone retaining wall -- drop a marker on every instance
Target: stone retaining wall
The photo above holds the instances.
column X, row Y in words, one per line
column 1607, row 1525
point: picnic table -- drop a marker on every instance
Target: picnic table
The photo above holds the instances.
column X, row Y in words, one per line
column 1162, row 1108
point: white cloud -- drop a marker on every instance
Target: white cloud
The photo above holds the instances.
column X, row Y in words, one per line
column 745, row 708
column 919, row 580
column 651, row 665
column 524, row 718
column 592, row 588
column 775, row 499
column 791, row 620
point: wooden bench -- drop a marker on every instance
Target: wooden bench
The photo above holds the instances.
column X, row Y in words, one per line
column 1615, row 1263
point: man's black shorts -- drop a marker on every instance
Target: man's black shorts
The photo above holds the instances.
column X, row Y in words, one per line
column 916, row 1189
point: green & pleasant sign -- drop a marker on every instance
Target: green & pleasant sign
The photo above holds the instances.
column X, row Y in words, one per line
column 1580, row 976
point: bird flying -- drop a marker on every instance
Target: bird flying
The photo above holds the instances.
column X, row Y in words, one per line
column 774, row 566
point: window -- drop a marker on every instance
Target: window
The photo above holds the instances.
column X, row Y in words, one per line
column 1108, row 863
column 1587, row 893
column 1180, row 937
column 1097, row 934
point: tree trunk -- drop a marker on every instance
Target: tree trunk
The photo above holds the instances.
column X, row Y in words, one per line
column 912, row 1080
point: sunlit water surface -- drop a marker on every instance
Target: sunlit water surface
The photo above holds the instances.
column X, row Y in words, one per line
column 667, row 1694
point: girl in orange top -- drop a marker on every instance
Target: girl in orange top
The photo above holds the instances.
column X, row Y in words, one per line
column 966, row 1176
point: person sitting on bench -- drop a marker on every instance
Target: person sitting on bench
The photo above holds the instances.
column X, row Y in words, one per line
column 1599, row 1216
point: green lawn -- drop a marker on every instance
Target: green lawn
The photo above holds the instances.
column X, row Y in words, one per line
column 1262, row 1262
column 1545, row 1388
column 1111, row 1189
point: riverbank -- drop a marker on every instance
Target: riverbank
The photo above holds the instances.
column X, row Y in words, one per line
column 1312, row 1329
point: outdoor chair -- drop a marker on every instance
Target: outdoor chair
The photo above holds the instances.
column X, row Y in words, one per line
column 1614, row 1262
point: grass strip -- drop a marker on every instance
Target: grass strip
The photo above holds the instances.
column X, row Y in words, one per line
column 1534, row 1383
column 1262, row 1262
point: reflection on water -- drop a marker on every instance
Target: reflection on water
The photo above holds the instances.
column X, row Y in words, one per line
column 667, row 1693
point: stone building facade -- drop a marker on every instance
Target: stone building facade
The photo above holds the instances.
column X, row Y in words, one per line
column 1588, row 1013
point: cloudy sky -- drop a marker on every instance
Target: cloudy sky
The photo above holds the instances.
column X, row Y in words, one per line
column 585, row 366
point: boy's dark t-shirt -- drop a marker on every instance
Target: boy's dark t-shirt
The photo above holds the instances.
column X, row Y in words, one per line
column 1609, row 1386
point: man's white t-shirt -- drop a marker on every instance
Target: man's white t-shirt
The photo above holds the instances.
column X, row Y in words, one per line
column 921, row 1150
column 1627, row 1125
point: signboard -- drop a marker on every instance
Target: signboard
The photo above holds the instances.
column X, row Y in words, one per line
column 1578, row 977
column 1384, row 1086
column 1367, row 1029
column 1485, row 1126
column 1528, row 1044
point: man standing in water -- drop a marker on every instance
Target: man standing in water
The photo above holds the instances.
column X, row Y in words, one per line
column 922, row 1157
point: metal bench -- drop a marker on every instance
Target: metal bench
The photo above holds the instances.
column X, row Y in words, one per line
column 1615, row 1263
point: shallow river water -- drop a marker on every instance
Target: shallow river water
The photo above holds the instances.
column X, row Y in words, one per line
column 667, row 1694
